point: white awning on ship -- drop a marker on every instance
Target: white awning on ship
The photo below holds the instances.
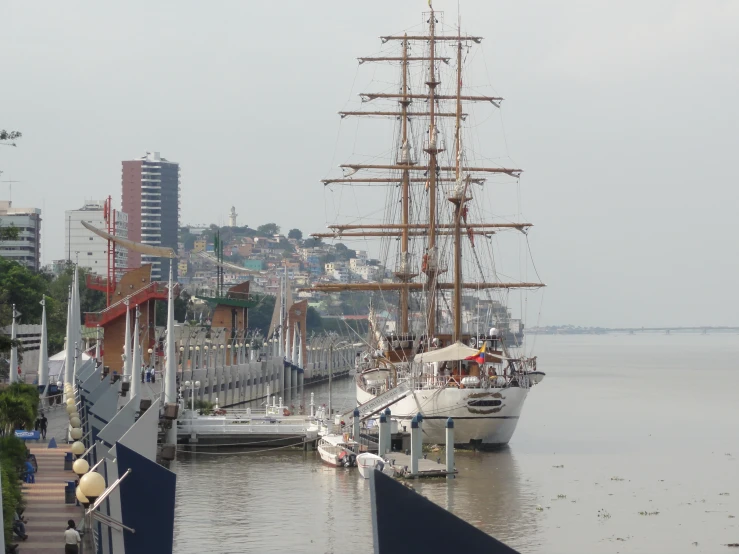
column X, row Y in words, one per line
column 452, row 353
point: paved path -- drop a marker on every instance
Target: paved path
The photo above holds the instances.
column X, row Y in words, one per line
column 46, row 512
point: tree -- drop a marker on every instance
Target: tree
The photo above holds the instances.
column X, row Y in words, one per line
column 10, row 232
column 295, row 234
column 311, row 242
column 9, row 135
column 260, row 316
column 268, row 229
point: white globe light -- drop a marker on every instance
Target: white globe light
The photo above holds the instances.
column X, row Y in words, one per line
column 197, row 383
column 81, row 497
column 70, row 402
column 75, row 422
column 71, row 409
column 76, row 433
column 80, row 466
column 78, row 448
column 92, row 484
column 187, row 383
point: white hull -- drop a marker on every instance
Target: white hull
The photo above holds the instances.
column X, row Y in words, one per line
column 334, row 452
column 474, row 427
column 367, row 462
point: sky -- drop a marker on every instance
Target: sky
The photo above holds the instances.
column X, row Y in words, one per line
column 622, row 114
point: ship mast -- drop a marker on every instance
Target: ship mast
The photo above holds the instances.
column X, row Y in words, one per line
column 431, row 260
column 404, row 274
column 458, row 199
column 429, row 173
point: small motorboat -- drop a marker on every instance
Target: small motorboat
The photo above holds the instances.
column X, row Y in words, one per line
column 368, row 462
column 338, row 450
column 536, row 376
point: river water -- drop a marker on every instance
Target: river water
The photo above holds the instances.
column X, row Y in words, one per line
column 630, row 444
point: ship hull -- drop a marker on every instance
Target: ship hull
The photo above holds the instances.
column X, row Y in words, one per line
column 476, row 425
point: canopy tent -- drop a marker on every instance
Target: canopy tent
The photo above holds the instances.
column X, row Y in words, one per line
column 452, row 353
column 56, row 365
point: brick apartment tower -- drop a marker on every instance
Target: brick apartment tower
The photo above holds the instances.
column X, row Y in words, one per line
column 151, row 198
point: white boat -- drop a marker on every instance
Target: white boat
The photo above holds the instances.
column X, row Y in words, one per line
column 338, row 450
column 368, row 462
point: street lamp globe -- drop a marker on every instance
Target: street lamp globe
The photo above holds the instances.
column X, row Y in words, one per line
column 80, row 466
column 197, row 384
column 92, row 485
column 76, row 433
column 78, row 448
column 75, row 422
column 187, row 383
column 70, row 402
column 82, row 498
column 71, row 409
column 150, row 351
column 182, row 348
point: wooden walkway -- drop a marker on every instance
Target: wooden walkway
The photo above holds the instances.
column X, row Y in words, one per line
column 46, row 512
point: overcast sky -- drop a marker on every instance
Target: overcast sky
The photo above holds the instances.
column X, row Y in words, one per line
column 623, row 114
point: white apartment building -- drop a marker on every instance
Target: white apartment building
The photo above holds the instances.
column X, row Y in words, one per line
column 26, row 250
column 356, row 263
column 87, row 248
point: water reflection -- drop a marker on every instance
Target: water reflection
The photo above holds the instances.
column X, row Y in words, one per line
column 490, row 493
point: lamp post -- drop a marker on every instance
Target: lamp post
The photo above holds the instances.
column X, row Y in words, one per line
column 91, row 486
column 192, row 385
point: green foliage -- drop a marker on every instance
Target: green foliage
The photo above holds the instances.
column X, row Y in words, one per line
column 9, row 233
column 12, row 460
column 268, row 229
column 204, row 407
column 295, row 234
column 18, row 407
column 9, row 135
column 261, row 316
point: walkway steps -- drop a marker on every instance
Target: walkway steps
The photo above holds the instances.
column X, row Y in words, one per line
column 46, row 512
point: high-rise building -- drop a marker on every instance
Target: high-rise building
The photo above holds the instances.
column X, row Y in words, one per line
column 151, row 198
column 88, row 249
column 27, row 248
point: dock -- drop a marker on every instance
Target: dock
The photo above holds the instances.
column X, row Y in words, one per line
column 400, row 465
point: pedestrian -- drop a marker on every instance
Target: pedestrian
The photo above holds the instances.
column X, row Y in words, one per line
column 71, row 539
column 153, row 375
column 19, row 526
column 43, row 425
column 143, row 374
column 148, row 374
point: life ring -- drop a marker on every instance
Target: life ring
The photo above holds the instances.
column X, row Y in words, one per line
column 285, row 412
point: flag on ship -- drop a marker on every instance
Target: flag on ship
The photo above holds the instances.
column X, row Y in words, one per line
column 480, row 356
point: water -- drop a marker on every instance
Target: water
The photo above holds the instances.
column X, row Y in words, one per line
column 622, row 424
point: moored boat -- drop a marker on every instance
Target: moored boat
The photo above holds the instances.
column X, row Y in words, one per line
column 368, row 462
column 337, row 450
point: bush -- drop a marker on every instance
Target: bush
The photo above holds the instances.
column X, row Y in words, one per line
column 12, row 462
column 18, row 407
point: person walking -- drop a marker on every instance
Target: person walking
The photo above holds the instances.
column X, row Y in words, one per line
column 143, row 374
column 71, row 539
column 43, row 424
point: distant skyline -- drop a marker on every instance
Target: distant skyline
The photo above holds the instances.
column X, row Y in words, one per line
column 622, row 114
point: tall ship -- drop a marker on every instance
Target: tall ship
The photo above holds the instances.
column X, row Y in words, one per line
column 452, row 349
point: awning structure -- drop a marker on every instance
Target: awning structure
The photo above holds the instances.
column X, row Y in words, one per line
column 159, row 251
column 452, row 353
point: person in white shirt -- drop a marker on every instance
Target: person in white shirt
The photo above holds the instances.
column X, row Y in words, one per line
column 71, row 539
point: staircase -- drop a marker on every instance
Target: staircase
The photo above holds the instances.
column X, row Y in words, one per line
column 382, row 401
column 153, row 291
column 98, row 282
